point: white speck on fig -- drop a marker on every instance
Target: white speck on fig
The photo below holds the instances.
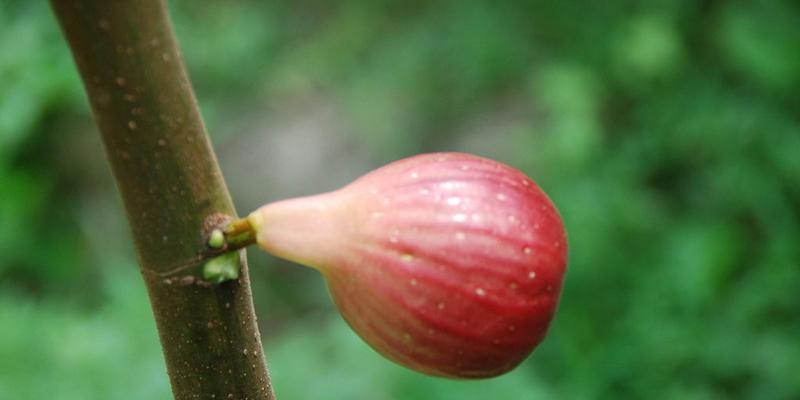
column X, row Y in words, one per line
column 527, row 250
column 453, row 201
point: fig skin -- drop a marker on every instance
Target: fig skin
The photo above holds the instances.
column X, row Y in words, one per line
column 447, row 263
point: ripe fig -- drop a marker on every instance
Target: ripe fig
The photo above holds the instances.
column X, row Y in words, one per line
column 447, row 263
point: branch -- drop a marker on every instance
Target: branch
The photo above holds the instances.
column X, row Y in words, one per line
column 173, row 192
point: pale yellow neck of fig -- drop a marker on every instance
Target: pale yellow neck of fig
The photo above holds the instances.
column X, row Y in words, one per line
column 304, row 230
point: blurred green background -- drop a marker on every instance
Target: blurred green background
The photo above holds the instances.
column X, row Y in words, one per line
column 668, row 134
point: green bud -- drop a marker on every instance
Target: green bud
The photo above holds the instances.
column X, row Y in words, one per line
column 222, row 268
column 216, row 239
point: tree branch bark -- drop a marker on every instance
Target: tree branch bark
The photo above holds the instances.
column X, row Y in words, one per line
column 173, row 193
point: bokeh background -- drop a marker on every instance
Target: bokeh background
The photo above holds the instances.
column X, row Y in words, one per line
column 668, row 134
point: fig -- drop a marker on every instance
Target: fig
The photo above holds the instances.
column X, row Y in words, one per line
column 447, row 263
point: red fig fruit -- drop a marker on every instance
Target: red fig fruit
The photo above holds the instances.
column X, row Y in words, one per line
column 448, row 263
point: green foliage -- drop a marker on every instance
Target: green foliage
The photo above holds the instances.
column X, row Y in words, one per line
column 48, row 349
column 666, row 133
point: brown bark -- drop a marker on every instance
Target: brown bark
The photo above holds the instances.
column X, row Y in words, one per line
column 172, row 189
